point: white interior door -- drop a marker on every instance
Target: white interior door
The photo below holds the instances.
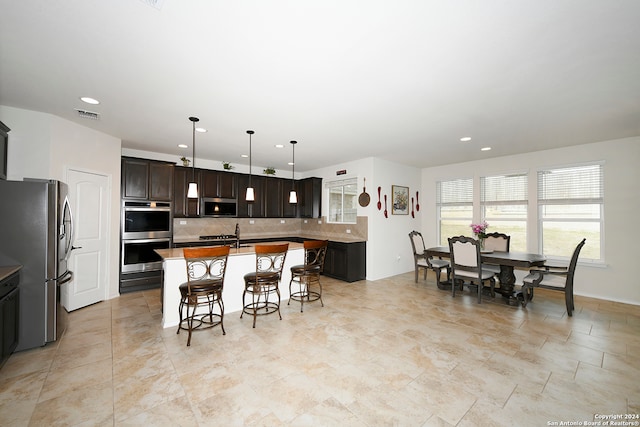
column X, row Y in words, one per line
column 88, row 194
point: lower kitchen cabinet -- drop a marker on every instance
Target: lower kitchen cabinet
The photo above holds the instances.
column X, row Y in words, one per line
column 346, row 261
column 141, row 281
column 9, row 304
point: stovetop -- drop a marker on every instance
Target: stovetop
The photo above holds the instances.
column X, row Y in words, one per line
column 218, row 237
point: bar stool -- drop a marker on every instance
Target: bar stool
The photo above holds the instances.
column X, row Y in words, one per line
column 308, row 274
column 263, row 283
column 206, row 268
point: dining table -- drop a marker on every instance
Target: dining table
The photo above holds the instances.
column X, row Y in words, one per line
column 507, row 261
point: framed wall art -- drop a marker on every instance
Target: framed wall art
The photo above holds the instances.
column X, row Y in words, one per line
column 399, row 200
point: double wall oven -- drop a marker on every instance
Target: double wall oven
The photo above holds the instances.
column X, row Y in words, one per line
column 146, row 226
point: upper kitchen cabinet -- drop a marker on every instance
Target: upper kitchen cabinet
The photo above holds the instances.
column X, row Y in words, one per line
column 289, row 210
column 147, row 179
column 310, row 197
column 254, row 209
column 4, row 147
column 273, row 197
column 219, row 184
column 183, row 206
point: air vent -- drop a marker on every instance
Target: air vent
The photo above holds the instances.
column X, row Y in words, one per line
column 154, row 3
column 88, row 115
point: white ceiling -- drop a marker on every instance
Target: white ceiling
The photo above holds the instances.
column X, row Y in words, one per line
column 401, row 80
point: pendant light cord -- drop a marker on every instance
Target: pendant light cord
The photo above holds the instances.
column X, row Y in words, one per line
column 193, row 146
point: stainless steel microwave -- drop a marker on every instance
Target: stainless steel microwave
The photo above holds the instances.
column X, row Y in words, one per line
column 218, row 207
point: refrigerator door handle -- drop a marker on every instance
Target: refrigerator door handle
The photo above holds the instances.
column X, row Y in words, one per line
column 63, row 278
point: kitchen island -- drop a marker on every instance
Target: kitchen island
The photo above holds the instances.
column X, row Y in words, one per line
column 241, row 261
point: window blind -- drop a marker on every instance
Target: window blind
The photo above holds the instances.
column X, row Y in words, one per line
column 341, row 183
column 571, row 185
column 504, row 189
column 458, row 192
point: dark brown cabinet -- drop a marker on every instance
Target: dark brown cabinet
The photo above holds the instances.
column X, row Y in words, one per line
column 147, row 179
column 273, row 197
column 4, row 147
column 310, row 197
column 254, row 209
column 289, row 210
column 184, row 207
column 9, row 304
column 219, row 184
column 346, row 261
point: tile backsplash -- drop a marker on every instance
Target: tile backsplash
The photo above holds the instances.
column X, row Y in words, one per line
column 189, row 229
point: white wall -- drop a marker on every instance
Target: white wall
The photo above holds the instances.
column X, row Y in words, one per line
column 46, row 146
column 388, row 247
column 614, row 281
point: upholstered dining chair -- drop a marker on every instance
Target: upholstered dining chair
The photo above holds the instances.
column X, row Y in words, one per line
column 421, row 260
column 553, row 278
column 307, row 275
column 263, row 283
column 206, row 268
column 466, row 265
column 496, row 242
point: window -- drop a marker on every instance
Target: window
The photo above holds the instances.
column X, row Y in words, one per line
column 343, row 197
column 503, row 200
column 571, row 206
column 454, row 208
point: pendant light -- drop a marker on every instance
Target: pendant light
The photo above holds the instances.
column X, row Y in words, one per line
column 293, row 197
column 192, row 192
column 250, row 196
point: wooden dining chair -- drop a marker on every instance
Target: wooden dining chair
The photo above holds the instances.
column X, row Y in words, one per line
column 466, row 265
column 421, row 261
column 553, row 278
column 496, row 242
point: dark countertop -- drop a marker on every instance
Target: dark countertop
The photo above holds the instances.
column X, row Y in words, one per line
column 6, row 271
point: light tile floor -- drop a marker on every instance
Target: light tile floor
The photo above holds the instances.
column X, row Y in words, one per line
column 380, row 353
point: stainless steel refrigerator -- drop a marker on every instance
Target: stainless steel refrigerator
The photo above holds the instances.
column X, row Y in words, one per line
column 36, row 231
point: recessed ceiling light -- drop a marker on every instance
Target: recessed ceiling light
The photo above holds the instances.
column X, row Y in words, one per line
column 290, row 163
column 89, row 100
column 183, row 146
column 485, row 149
column 201, row 130
column 279, row 146
column 465, row 139
column 244, row 155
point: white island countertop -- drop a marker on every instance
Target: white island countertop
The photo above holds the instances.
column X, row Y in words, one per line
column 241, row 261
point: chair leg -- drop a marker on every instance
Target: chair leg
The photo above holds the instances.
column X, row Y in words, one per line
column 568, row 303
column 278, row 292
column 300, row 283
column 221, row 305
column 417, row 268
column 320, row 286
column 526, row 291
column 190, row 323
column 180, row 308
